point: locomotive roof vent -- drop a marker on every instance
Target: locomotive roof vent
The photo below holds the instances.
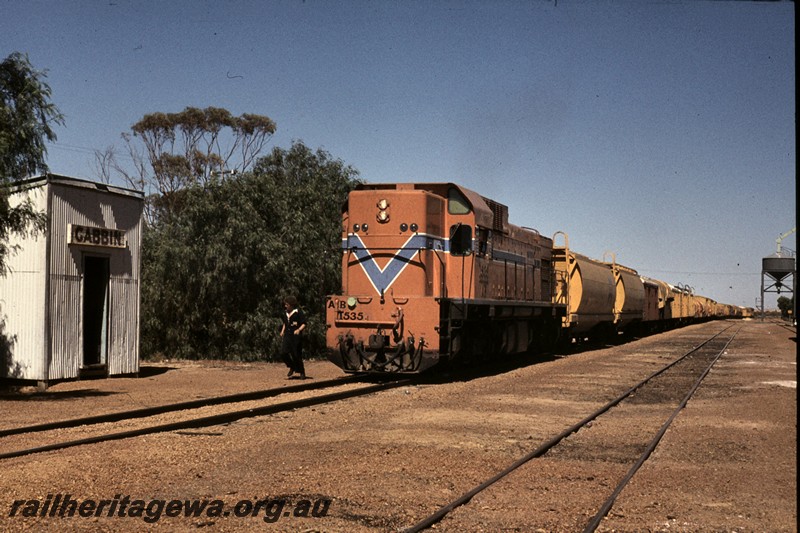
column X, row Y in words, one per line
column 499, row 215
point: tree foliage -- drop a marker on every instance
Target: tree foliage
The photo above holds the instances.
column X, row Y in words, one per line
column 786, row 305
column 172, row 151
column 27, row 118
column 216, row 271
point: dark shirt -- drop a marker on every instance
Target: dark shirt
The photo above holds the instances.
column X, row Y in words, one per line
column 293, row 320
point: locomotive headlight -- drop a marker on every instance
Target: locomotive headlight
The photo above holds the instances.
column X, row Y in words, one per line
column 351, row 302
column 355, row 228
column 383, row 215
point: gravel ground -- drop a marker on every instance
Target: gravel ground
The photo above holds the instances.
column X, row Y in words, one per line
column 382, row 463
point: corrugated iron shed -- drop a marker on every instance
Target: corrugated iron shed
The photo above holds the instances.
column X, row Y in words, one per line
column 69, row 302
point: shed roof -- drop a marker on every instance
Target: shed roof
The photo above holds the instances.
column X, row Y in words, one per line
column 40, row 181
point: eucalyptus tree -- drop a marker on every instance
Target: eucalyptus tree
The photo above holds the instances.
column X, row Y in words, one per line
column 172, row 151
column 27, row 119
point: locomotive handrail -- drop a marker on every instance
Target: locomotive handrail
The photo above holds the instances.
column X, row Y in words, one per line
column 566, row 239
column 347, row 272
column 387, row 249
column 536, row 231
column 613, row 258
column 443, row 283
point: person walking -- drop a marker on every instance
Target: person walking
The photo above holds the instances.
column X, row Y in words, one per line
column 294, row 322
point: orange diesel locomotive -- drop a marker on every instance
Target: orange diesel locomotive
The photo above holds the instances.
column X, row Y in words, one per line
column 434, row 272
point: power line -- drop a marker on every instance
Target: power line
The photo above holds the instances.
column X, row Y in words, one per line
column 72, row 148
column 85, row 150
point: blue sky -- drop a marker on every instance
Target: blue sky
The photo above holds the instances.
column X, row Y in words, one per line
column 661, row 131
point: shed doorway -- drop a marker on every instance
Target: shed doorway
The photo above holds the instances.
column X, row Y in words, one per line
column 96, row 275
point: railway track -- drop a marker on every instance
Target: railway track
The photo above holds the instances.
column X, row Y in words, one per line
column 676, row 382
column 78, row 427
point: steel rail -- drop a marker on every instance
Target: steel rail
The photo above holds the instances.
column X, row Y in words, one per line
column 214, row 420
column 606, row 507
column 548, row 445
column 180, row 406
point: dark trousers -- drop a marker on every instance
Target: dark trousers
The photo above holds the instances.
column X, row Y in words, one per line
column 292, row 352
